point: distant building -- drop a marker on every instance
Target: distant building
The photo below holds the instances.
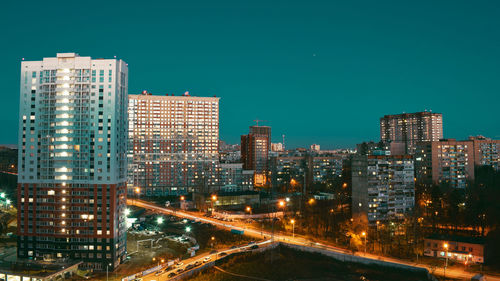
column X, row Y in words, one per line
column 381, row 148
column 278, row 147
column 410, row 128
column 486, row 152
column 233, row 177
column 173, row 143
column 72, row 165
column 447, row 161
column 254, row 152
column 315, row 147
column 383, row 187
column 458, row 248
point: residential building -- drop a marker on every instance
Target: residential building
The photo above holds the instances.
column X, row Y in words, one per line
column 72, row 165
column 410, row 128
column 383, row 187
column 315, row 147
column 458, row 248
column 447, row 161
column 254, row 152
column 233, row 177
column 277, row 146
column 486, row 152
column 173, row 143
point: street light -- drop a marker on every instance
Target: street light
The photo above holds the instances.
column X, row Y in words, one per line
column 188, row 229
column 159, row 220
column 127, row 212
column 183, row 198
column 214, row 198
column 446, row 259
column 107, row 275
column 281, row 203
column 311, row 201
column 2, row 195
column 293, row 227
column 364, row 235
column 249, row 209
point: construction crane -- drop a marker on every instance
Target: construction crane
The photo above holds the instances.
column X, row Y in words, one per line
column 257, row 121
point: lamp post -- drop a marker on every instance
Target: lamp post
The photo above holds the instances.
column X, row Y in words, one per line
column 446, row 259
column 364, row 235
column 293, row 228
column 214, row 198
column 249, row 210
column 107, row 271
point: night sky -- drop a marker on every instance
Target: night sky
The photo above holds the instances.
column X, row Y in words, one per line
column 318, row 71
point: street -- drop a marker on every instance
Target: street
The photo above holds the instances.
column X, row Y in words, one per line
column 450, row 272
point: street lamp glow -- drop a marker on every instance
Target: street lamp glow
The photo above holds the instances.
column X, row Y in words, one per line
column 7, row 201
column 292, row 221
column 248, row 209
column 2, row 195
column 287, row 199
column 188, row 229
column 183, row 198
column 281, row 203
column 127, row 212
column 445, row 245
column 159, row 220
column 137, row 190
column 363, row 233
column 214, row 197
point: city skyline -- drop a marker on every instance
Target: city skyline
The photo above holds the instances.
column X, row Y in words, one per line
column 322, row 73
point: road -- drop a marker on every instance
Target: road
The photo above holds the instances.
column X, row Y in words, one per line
column 450, row 272
column 213, row 257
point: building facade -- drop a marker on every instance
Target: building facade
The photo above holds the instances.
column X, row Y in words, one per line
column 255, row 151
column 173, row 143
column 447, row 161
column 72, row 160
column 383, row 187
column 486, row 152
column 458, row 248
column 410, row 128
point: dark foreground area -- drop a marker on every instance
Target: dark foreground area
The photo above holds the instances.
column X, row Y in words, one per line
column 284, row 263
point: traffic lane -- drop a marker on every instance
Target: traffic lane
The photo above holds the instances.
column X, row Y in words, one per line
column 201, row 259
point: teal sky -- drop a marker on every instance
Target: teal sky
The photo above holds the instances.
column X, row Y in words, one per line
column 318, row 71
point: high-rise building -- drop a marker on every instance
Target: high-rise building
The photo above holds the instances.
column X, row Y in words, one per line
column 72, row 160
column 254, row 152
column 383, row 187
column 315, row 147
column 486, row 152
column 173, row 143
column 410, row 128
column 447, row 161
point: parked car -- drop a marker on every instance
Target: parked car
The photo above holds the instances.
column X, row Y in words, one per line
column 254, row 247
column 197, row 263
column 171, row 274
column 207, row 259
column 159, row 272
column 223, row 254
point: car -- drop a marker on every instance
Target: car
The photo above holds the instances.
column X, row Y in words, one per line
column 188, row 267
column 171, row 274
column 197, row 263
column 180, row 270
column 179, row 264
column 234, row 247
column 159, row 272
column 207, row 259
column 253, row 247
column 251, row 242
column 223, row 254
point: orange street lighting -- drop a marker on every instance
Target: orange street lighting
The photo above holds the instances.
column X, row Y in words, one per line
column 183, row 198
column 281, row 203
column 214, row 197
column 344, row 185
column 363, row 233
column 137, row 190
column 293, row 227
column 213, row 238
column 311, row 201
column 249, row 209
column 445, row 245
column 162, row 260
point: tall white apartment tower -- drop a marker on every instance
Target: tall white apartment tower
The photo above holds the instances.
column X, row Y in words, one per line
column 72, row 160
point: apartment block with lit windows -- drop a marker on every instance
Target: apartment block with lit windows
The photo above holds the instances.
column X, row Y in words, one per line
column 486, row 152
column 383, row 187
column 72, row 160
column 447, row 161
column 173, row 143
column 410, row 128
column 255, row 151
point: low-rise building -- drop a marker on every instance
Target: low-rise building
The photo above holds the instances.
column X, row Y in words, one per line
column 459, row 248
